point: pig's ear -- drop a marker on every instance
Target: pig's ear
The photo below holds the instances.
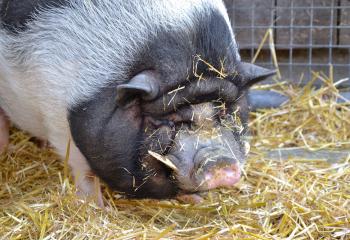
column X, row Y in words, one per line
column 144, row 85
column 252, row 74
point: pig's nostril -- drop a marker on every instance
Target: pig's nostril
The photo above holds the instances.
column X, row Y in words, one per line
column 223, row 177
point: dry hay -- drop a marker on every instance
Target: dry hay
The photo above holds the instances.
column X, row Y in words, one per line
column 277, row 199
column 314, row 118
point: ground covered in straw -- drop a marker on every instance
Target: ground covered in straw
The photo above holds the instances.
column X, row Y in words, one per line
column 290, row 198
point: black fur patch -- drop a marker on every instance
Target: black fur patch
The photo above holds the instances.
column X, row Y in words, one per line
column 214, row 43
column 15, row 14
column 111, row 139
column 173, row 53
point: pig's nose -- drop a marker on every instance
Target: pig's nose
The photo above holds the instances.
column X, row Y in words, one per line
column 222, row 177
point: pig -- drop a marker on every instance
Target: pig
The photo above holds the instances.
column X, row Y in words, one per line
column 145, row 90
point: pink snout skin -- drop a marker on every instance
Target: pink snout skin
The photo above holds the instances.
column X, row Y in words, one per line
column 223, row 177
column 220, row 177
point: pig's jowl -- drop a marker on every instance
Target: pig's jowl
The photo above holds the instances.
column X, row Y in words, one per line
column 123, row 78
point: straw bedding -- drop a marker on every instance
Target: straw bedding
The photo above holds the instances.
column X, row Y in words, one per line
column 291, row 198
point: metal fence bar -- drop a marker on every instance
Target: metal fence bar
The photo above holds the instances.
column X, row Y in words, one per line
column 304, row 46
column 291, row 32
column 294, row 7
column 252, row 50
column 349, row 64
column 308, row 34
column 311, row 38
column 294, row 26
column 331, row 31
column 306, row 64
column 272, row 24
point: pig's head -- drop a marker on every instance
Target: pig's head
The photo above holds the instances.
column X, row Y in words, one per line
column 158, row 142
column 169, row 122
column 197, row 130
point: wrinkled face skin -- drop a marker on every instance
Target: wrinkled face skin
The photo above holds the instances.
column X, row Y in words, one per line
column 174, row 104
column 203, row 142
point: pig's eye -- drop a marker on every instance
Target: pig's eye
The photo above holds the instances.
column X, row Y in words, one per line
column 185, row 125
column 160, row 134
column 157, row 123
column 232, row 120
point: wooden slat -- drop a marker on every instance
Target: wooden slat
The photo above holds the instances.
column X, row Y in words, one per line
column 243, row 18
column 332, row 156
column 345, row 21
column 302, row 17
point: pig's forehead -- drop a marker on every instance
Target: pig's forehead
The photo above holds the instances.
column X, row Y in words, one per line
column 182, row 57
column 177, row 52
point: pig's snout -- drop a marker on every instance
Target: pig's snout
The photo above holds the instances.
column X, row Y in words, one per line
column 222, row 177
column 208, row 165
column 215, row 168
column 204, row 154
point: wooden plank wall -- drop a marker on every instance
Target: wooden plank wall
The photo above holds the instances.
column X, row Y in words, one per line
column 345, row 21
column 278, row 13
column 245, row 18
column 307, row 30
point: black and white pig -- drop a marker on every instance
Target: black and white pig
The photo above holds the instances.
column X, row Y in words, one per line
column 127, row 80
